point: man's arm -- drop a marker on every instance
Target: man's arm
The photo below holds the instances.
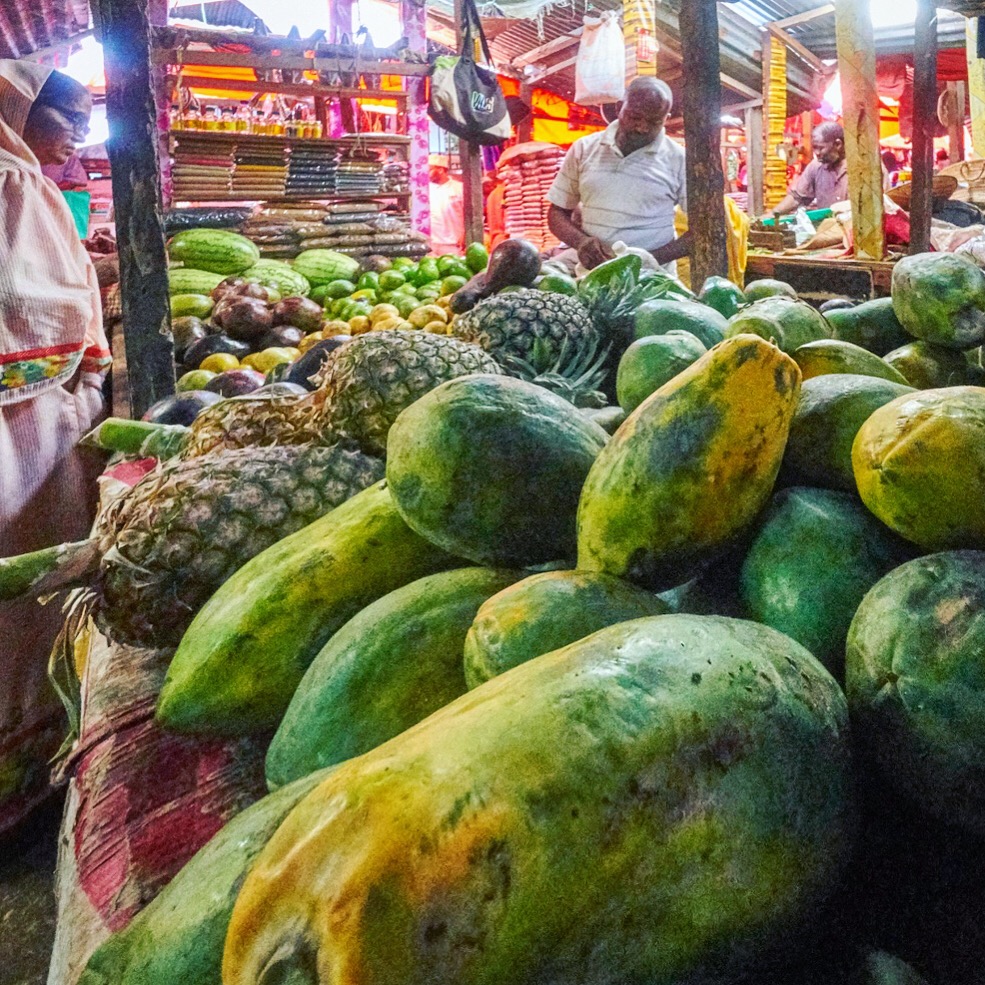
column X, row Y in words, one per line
column 676, row 249
column 591, row 250
column 787, row 205
column 802, row 192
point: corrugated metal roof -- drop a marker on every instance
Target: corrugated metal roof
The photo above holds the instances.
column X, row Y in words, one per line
column 818, row 34
column 27, row 26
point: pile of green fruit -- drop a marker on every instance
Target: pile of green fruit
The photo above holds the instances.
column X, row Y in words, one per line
column 551, row 703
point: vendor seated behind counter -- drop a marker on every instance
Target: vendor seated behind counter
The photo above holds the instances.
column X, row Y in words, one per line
column 627, row 179
column 825, row 179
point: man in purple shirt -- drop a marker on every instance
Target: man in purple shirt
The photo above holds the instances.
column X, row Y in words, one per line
column 825, row 179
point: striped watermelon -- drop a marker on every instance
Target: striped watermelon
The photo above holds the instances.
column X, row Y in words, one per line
column 323, row 266
column 282, row 276
column 185, row 280
column 219, row 250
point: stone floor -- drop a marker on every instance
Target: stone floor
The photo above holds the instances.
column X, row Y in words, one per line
column 27, row 901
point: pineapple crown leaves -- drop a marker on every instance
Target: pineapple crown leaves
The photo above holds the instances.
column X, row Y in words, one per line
column 575, row 375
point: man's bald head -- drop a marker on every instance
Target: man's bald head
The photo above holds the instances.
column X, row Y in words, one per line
column 829, row 144
column 645, row 107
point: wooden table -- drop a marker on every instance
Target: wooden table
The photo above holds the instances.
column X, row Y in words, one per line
column 817, row 280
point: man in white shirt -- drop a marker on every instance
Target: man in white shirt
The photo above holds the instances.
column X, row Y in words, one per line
column 447, row 208
column 625, row 181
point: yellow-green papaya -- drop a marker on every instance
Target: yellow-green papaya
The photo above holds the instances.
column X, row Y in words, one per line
column 827, row 356
column 665, row 793
column 691, row 467
column 246, row 651
column 387, row 668
column 919, row 464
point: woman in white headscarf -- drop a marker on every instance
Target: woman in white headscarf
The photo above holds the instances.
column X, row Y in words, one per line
column 53, row 354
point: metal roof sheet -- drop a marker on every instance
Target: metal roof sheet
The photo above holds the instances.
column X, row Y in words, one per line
column 29, row 26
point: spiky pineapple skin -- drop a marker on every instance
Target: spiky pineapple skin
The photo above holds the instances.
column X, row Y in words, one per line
column 188, row 525
column 527, row 324
column 371, row 379
column 255, row 420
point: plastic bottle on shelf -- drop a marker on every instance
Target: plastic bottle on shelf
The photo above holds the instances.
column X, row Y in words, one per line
column 243, row 120
column 210, row 119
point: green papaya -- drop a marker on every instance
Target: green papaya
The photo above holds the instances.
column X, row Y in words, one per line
column 722, row 295
column 768, row 287
column 919, row 464
column 490, row 468
column 651, row 362
column 827, row 356
column 179, row 936
column 915, row 678
column 244, row 654
column 545, row 612
column 696, row 768
column 873, row 325
column 662, row 315
column 785, row 321
column 940, row 298
column 927, row 366
column 607, row 418
column 691, row 467
column 815, row 554
column 385, row 670
column 829, row 414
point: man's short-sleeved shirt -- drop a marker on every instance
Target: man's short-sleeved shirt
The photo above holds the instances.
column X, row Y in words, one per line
column 623, row 198
column 821, row 185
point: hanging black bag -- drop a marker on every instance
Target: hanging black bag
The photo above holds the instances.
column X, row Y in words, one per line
column 466, row 98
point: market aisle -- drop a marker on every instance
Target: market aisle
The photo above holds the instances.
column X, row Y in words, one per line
column 27, row 900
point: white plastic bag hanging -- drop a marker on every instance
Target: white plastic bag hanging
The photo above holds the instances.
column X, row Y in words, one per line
column 600, row 69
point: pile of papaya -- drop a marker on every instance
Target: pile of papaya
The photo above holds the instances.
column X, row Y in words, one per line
column 700, row 700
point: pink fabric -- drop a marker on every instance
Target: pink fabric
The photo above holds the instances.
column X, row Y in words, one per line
column 414, row 21
column 447, row 217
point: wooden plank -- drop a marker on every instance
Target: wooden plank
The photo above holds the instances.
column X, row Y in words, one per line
column 525, row 128
column 924, row 118
column 860, row 101
column 549, row 48
column 236, row 59
column 754, row 161
column 552, row 69
column 955, row 125
column 133, row 154
column 290, row 88
column 807, row 15
column 471, row 158
column 736, row 86
column 702, row 109
column 795, row 46
column 53, row 51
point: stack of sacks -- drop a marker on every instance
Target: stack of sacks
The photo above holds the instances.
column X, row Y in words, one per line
column 258, row 171
column 313, row 169
column 281, row 228
column 529, row 170
column 201, row 170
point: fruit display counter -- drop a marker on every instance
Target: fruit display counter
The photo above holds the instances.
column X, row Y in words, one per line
column 592, row 631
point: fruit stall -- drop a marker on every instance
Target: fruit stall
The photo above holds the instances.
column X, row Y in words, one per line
column 457, row 620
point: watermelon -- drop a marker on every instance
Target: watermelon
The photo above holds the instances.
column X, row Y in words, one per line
column 323, row 266
column 187, row 280
column 220, row 251
column 281, row 275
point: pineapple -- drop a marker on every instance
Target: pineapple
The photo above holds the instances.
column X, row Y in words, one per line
column 164, row 547
column 371, row 379
column 528, row 325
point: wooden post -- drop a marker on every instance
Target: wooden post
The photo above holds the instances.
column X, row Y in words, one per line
column 133, row 154
column 754, row 159
column 525, row 130
column 924, row 116
column 702, row 109
column 471, row 158
column 413, row 18
column 860, row 109
column 955, row 127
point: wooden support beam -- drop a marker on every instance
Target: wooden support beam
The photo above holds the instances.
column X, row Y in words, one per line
column 291, row 88
column 133, row 154
column 736, row 86
column 860, row 102
column 754, row 162
column 702, row 108
column 236, row 59
column 551, row 69
column 955, row 125
column 53, row 51
column 807, row 15
column 924, row 118
column 471, row 159
column 549, row 48
column 525, row 129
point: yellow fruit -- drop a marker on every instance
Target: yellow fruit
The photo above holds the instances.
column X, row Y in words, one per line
column 387, row 324
column 309, row 340
column 359, row 324
column 293, row 350
column 335, row 327
column 219, row 362
column 437, row 327
column 382, row 311
column 264, row 362
column 420, row 317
